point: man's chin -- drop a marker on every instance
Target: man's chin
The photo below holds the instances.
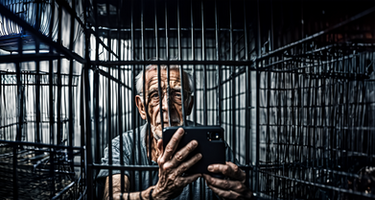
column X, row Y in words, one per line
column 158, row 129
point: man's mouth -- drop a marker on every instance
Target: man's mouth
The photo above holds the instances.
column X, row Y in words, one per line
column 166, row 123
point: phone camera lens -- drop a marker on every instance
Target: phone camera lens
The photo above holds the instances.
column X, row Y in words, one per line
column 213, row 136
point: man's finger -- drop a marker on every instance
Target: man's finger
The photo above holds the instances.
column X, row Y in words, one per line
column 226, row 194
column 229, row 169
column 187, row 164
column 181, row 155
column 225, row 184
column 172, row 144
column 184, row 181
column 159, row 144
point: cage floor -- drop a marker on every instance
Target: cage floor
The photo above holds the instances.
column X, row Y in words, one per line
column 35, row 179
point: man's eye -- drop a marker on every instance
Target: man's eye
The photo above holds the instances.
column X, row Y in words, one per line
column 177, row 94
column 154, row 95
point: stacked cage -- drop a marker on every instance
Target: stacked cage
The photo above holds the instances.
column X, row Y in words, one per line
column 316, row 103
column 40, row 66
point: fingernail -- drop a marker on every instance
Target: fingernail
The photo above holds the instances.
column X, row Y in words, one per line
column 210, row 168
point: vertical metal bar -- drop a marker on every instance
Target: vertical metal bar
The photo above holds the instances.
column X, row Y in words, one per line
column 166, row 30
column 205, row 95
column 167, row 55
column 109, row 110
column 218, row 71
column 156, row 31
column 257, row 63
column 59, row 66
column 160, row 93
column 70, row 91
column 133, row 77
column 180, row 58
column 87, row 104
column 179, row 34
column 119, row 91
column 86, row 157
column 20, row 121
column 203, row 48
column 233, row 83
column 133, row 111
column 168, row 94
column 203, row 32
column 51, row 96
column 193, row 58
column 37, row 92
column 204, row 67
column 247, row 100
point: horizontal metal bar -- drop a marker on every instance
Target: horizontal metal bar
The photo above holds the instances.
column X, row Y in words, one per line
column 40, row 145
column 125, row 167
column 113, row 30
column 142, row 167
column 29, row 57
column 174, row 62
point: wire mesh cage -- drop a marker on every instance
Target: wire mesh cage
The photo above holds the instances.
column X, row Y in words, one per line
column 40, row 146
column 290, row 82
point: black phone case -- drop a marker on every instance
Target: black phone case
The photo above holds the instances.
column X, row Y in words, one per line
column 213, row 152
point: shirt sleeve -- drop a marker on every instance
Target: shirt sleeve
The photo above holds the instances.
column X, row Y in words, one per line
column 115, row 157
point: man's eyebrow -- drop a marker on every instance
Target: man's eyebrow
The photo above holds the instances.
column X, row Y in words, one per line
column 176, row 88
column 152, row 89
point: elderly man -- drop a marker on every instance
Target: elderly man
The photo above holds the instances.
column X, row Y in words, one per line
column 168, row 182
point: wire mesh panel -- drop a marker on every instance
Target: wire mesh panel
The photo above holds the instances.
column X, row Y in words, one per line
column 41, row 49
column 290, row 82
column 315, row 104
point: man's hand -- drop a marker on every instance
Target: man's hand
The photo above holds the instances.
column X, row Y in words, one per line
column 171, row 167
column 232, row 188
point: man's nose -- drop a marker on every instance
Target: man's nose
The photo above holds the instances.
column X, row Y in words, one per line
column 164, row 102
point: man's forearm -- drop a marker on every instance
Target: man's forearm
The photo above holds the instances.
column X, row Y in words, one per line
column 118, row 195
column 142, row 195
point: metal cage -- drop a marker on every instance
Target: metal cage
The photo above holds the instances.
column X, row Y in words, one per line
column 290, row 82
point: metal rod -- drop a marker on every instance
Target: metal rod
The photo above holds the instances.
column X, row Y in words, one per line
column 160, row 93
column 179, row 35
column 168, row 94
column 218, row 71
column 70, row 91
column 176, row 62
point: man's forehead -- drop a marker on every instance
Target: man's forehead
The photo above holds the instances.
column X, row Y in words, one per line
column 152, row 77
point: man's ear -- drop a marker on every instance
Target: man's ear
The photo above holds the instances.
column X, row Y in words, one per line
column 140, row 106
column 190, row 106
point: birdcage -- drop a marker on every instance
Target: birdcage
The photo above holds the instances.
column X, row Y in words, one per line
column 290, row 82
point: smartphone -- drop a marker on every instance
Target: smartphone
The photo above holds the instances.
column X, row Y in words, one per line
column 210, row 144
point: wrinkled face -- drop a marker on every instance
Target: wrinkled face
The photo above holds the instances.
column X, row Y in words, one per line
column 153, row 100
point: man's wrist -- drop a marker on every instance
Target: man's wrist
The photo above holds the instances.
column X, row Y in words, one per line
column 149, row 193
